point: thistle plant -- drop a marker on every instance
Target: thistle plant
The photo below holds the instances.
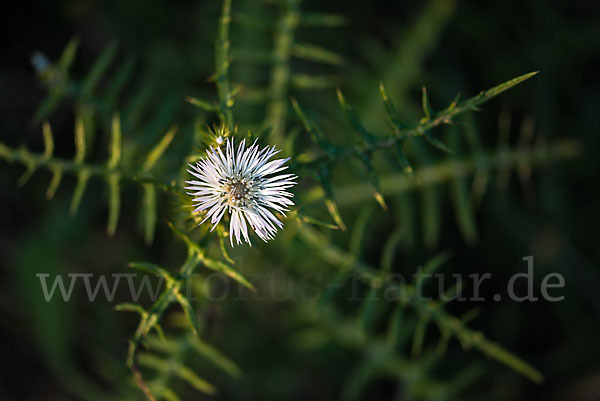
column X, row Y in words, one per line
column 229, row 175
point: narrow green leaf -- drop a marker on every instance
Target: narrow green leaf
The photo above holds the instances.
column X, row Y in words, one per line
column 374, row 180
column 429, row 113
column 430, row 267
column 323, row 20
column 462, row 210
column 214, row 356
column 194, row 380
column 201, row 104
column 115, row 143
column 316, row 53
column 79, row 139
column 98, row 69
column 419, row 337
column 436, row 143
column 390, row 110
column 402, row 160
column 159, row 149
column 152, row 269
column 54, row 182
column 118, row 82
column 313, row 82
column 353, row 118
column 189, row 313
column 130, row 307
column 114, row 203
column 68, row 56
column 359, row 230
column 48, row 140
column 149, row 212
column 496, row 90
column 229, row 271
column 82, row 180
column 389, row 250
column 367, row 310
column 431, row 211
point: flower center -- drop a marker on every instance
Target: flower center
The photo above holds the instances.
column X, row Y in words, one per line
column 237, row 192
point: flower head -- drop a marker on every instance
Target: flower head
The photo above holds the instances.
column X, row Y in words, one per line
column 241, row 183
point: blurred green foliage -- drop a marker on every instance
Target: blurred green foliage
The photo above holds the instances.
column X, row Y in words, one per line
column 303, row 316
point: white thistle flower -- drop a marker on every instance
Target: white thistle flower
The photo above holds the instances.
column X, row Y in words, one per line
column 242, row 184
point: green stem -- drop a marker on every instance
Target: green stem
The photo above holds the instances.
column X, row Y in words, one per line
column 280, row 74
column 222, row 67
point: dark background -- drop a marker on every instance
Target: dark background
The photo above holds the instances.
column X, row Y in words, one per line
column 75, row 350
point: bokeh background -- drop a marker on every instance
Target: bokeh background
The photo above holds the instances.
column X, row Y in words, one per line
column 76, row 350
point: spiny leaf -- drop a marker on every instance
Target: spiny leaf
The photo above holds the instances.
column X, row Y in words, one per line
column 353, row 118
column 390, row 110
